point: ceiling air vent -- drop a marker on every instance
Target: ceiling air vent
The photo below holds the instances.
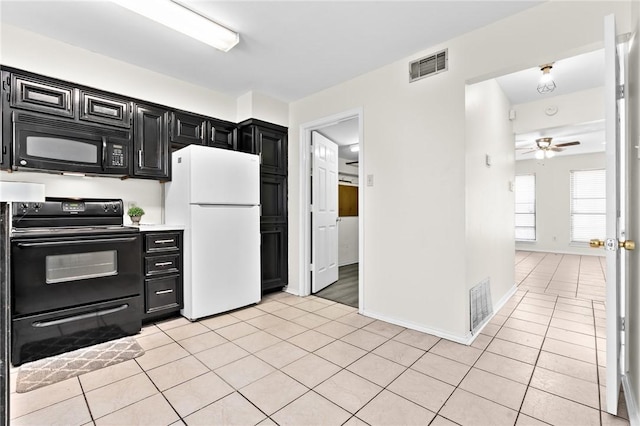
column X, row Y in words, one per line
column 429, row 65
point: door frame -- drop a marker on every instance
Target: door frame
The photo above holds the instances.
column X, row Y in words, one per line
column 304, row 255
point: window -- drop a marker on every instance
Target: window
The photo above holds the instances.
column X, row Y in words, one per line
column 588, row 205
column 525, row 195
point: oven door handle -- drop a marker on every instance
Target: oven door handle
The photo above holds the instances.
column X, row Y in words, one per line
column 78, row 242
column 40, row 324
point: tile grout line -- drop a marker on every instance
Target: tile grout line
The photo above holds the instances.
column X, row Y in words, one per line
column 535, row 365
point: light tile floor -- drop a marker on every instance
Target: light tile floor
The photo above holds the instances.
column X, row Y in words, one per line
column 306, row 361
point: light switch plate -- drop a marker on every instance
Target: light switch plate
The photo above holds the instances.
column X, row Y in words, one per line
column 369, row 180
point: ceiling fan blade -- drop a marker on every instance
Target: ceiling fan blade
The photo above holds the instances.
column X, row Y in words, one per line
column 556, row 149
column 524, row 147
column 529, row 152
column 568, row 143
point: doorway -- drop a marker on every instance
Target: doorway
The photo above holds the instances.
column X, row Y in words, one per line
column 345, row 130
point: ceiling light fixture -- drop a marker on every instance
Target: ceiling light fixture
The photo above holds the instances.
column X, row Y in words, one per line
column 354, row 148
column 182, row 19
column 546, row 83
column 543, row 143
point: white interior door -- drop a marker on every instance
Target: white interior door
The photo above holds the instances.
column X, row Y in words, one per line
column 324, row 256
column 616, row 265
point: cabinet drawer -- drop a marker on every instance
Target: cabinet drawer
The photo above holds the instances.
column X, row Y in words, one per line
column 162, row 242
column 162, row 293
column 154, row 265
column 41, row 96
column 104, row 110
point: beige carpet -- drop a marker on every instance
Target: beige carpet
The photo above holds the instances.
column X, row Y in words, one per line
column 36, row 374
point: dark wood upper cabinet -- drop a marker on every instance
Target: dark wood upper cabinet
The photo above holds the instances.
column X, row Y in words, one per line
column 222, row 134
column 102, row 109
column 187, row 129
column 151, row 142
column 266, row 139
column 43, row 96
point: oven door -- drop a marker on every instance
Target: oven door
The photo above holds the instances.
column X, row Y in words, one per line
column 55, row 273
column 44, row 144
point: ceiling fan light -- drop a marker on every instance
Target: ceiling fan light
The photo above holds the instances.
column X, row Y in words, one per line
column 543, row 143
column 549, row 154
column 539, row 155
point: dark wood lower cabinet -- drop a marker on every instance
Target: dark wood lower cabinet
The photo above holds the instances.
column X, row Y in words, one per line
column 273, row 257
column 162, row 274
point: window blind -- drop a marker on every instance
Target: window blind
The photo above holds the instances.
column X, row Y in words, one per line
column 525, row 196
column 588, row 205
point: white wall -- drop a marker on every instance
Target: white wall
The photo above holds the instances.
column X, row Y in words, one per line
column 348, row 240
column 553, row 201
column 414, row 146
column 634, row 223
column 347, row 171
column 489, row 201
column 254, row 104
column 575, row 108
column 141, row 192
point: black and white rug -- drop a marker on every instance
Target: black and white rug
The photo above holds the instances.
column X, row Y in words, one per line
column 43, row 372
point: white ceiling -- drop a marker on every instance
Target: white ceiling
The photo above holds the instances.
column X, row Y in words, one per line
column 287, row 49
column 573, row 74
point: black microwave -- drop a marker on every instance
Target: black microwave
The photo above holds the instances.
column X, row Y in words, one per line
column 46, row 144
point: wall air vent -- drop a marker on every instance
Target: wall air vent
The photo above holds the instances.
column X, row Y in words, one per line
column 429, row 65
column 481, row 305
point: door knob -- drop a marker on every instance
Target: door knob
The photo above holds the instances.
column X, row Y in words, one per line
column 596, row 243
column 627, row 245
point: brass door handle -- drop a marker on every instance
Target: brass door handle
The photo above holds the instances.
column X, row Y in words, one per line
column 596, row 243
column 627, row 245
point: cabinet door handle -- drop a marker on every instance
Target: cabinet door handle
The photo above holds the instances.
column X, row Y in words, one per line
column 213, row 134
column 202, row 132
column 164, row 291
column 165, row 241
column 140, row 158
column 164, row 263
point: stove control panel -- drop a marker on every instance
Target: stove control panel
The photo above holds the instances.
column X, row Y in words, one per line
column 55, row 212
column 72, row 206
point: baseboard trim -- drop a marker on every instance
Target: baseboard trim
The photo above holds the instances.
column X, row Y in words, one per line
column 408, row 324
column 631, row 401
column 466, row 339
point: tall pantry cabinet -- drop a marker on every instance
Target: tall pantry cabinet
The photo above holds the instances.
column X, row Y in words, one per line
column 269, row 141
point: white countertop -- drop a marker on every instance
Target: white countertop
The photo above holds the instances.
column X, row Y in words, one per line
column 147, row 227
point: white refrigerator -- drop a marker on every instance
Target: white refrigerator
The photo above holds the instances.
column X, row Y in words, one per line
column 215, row 194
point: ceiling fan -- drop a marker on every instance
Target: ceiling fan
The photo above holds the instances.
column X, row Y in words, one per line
column 544, row 148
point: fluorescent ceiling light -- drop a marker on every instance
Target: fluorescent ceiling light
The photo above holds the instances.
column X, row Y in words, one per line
column 354, row 148
column 184, row 20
